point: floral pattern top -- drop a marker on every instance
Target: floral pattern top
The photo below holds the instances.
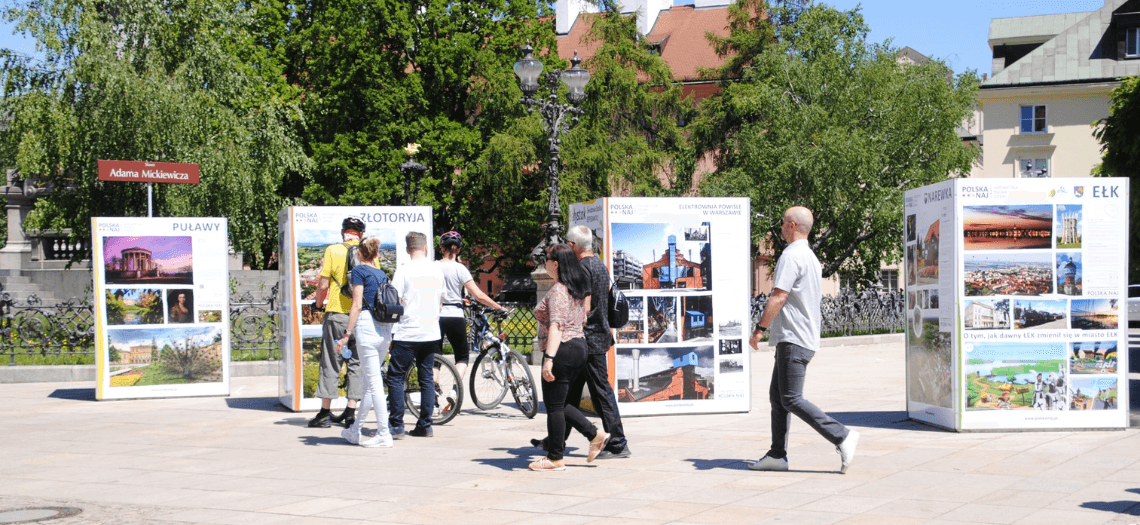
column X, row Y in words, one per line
column 560, row 307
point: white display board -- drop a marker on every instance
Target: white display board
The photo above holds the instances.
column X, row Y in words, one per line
column 684, row 265
column 304, row 233
column 1016, row 301
column 162, row 307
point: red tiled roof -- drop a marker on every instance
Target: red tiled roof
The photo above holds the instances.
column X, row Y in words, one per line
column 680, row 31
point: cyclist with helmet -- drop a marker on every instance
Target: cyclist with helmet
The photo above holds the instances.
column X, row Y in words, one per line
column 335, row 326
column 456, row 279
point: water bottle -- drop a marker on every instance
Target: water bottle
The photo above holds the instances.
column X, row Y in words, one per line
column 346, row 352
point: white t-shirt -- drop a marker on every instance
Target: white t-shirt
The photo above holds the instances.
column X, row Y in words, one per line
column 798, row 273
column 420, row 284
column 455, row 275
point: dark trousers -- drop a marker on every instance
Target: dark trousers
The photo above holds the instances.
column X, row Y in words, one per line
column 569, row 363
column 786, row 395
column 597, row 378
column 400, row 360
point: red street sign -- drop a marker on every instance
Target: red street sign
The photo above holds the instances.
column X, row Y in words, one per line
column 140, row 171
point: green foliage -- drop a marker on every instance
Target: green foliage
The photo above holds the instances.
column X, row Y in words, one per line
column 1119, row 135
column 157, row 80
column 822, row 118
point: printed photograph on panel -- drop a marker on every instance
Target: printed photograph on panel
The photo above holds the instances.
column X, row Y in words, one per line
column 911, row 224
column 1007, row 227
column 731, row 346
column 910, row 300
column 911, row 270
column 1009, row 273
column 658, row 256
column 311, row 364
column 928, row 359
column 986, row 314
column 165, row 356
column 926, row 256
column 933, row 298
column 732, row 365
column 634, row 330
column 311, row 245
column 731, row 328
column 1095, row 314
column 180, row 305
column 1069, row 274
column 696, row 318
column 209, row 316
column 133, row 306
column 1067, row 226
column 662, row 319
column 148, row 260
column 1040, row 315
column 1002, row 376
column 664, row 374
column 1094, row 393
column 1093, row 357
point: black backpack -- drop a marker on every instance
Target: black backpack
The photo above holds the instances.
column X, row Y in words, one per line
column 618, row 311
column 350, row 262
column 386, row 307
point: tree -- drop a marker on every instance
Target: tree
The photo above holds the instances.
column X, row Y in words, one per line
column 1119, row 135
column 158, row 80
column 824, row 119
column 379, row 75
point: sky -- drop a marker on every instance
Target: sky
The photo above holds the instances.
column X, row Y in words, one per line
column 956, row 32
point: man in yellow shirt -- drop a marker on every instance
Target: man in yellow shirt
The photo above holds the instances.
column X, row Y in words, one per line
column 334, row 327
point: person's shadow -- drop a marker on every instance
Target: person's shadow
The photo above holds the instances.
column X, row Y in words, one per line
column 1130, row 508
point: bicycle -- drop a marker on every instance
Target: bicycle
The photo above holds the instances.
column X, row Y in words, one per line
column 498, row 368
column 447, row 380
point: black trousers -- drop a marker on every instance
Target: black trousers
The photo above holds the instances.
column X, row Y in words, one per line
column 596, row 377
column 569, row 363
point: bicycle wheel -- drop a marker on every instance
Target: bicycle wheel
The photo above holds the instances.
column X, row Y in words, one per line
column 448, row 392
column 522, row 384
column 488, row 386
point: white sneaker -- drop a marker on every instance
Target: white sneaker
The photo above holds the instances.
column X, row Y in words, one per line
column 351, row 435
column 846, row 450
column 384, row 441
column 770, row 463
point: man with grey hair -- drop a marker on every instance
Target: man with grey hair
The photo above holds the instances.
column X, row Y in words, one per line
column 793, row 316
column 416, row 337
column 598, row 342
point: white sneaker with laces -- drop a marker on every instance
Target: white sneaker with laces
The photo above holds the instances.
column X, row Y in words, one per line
column 378, row 440
column 351, row 435
column 846, row 450
column 770, row 463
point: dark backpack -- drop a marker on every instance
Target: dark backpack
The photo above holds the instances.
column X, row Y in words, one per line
column 618, row 311
column 350, row 262
column 386, row 307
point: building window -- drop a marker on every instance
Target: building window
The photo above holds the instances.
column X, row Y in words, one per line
column 1033, row 168
column 889, row 279
column 1132, row 42
column 1033, row 119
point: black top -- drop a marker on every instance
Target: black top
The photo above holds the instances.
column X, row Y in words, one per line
column 597, row 329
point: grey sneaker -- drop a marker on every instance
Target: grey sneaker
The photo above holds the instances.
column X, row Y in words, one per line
column 609, row 454
column 351, row 435
column 770, row 463
column 846, row 450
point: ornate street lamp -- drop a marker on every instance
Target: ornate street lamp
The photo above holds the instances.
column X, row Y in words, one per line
column 556, row 119
column 411, row 169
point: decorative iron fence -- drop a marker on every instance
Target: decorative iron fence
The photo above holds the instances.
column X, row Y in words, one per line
column 854, row 313
column 33, row 333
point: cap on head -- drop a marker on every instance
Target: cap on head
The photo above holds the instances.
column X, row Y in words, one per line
column 352, row 223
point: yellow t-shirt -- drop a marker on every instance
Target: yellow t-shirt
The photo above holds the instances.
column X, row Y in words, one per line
column 333, row 268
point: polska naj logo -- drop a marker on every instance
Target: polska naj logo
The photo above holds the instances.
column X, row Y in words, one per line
column 1055, row 192
column 1079, row 191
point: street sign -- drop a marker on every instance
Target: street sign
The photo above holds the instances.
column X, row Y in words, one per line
column 141, row 171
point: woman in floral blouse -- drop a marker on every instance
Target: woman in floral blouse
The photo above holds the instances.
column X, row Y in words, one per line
column 561, row 316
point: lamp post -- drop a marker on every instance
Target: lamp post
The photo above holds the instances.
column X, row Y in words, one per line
column 412, row 168
column 557, row 118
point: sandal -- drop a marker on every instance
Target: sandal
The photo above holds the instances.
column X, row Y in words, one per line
column 546, row 465
column 596, row 446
